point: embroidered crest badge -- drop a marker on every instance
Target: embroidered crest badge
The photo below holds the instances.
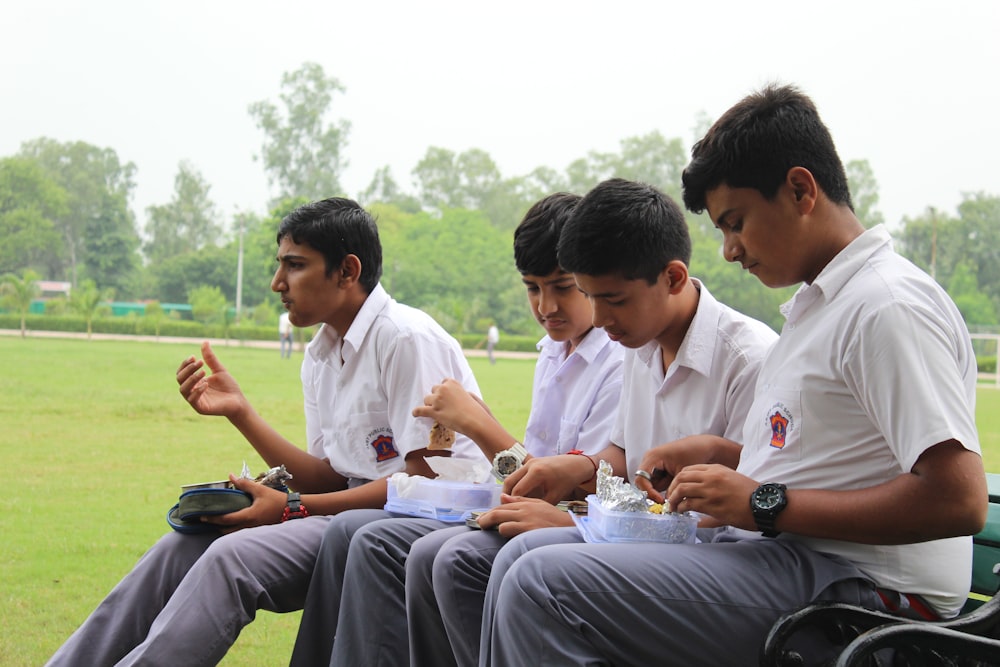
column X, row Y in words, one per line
column 780, row 421
column 384, row 445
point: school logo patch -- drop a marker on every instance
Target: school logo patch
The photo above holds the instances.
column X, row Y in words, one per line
column 384, row 445
column 780, row 421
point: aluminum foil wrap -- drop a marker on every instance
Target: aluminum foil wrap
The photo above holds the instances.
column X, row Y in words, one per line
column 618, row 495
column 276, row 478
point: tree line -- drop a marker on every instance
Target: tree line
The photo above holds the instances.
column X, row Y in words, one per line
column 65, row 215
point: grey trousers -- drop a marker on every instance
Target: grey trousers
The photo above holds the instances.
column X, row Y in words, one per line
column 188, row 597
column 355, row 611
column 641, row 604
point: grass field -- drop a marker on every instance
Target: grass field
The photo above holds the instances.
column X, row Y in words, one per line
column 95, row 441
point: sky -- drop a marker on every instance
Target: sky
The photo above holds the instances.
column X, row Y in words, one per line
column 911, row 86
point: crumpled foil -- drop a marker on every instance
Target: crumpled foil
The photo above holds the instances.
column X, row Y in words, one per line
column 618, row 495
column 276, row 477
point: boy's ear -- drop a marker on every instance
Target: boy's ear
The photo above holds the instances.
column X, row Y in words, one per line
column 803, row 186
column 676, row 275
column 350, row 270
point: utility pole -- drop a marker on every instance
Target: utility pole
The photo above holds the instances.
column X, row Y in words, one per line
column 241, row 218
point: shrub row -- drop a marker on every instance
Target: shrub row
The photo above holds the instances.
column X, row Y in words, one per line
column 144, row 326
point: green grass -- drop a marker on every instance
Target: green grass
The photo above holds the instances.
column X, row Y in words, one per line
column 95, row 441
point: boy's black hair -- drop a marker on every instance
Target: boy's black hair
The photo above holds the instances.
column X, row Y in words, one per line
column 624, row 228
column 756, row 142
column 536, row 238
column 338, row 227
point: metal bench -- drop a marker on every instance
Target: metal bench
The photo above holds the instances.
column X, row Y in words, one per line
column 970, row 639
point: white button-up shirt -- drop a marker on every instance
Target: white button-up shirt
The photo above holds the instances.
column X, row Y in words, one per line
column 360, row 388
column 574, row 401
column 708, row 387
column 874, row 366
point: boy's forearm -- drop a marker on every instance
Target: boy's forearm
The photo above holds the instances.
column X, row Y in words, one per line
column 308, row 472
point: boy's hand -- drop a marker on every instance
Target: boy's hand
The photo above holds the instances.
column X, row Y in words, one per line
column 550, row 478
column 518, row 515
column 715, row 490
column 450, row 404
column 664, row 462
column 215, row 394
column 267, row 508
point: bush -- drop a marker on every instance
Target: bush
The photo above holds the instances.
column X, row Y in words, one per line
column 987, row 364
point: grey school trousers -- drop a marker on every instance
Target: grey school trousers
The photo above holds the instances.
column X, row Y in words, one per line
column 188, row 597
column 552, row 603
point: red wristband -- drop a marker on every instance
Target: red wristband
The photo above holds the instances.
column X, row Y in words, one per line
column 580, row 452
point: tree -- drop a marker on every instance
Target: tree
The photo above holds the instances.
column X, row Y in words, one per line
column 86, row 300
column 302, row 152
column 97, row 227
column 864, row 192
column 384, row 189
column 187, row 223
column 30, row 204
column 976, row 307
column 208, row 304
column 18, row 293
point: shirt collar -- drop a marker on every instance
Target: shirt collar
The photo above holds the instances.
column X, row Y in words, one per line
column 330, row 338
column 838, row 272
column 588, row 349
column 698, row 347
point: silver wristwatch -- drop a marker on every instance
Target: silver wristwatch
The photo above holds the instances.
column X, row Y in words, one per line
column 509, row 460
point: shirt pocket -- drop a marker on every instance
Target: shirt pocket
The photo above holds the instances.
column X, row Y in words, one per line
column 777, row 423
column 372, row 442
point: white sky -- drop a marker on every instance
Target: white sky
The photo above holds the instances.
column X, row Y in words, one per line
column 911, row 86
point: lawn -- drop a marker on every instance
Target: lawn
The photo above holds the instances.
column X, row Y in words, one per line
column 95, row 441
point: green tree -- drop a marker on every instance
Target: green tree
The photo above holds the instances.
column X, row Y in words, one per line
column 384, row 189
column 208, row 304
column 18, row 293
column 156, row 315
column 303, row 152
column 177, row 276
column 864, row 192
column 97, row 227
column 187, row 223
column 975, row 306
column 87, row 300
column 30, row 204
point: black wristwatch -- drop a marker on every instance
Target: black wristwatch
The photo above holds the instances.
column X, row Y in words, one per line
column 294, row 509
column 766, row 503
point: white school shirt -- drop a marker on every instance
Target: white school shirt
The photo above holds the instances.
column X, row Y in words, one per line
column 359, row 411
column 708, row 387
column 874, row 366
column 574, row 400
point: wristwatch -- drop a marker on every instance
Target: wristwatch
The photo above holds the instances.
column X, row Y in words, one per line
column 509, row 460
column 294, row 509
column 766, row 503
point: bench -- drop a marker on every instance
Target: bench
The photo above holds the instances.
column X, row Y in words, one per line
column 971, row 638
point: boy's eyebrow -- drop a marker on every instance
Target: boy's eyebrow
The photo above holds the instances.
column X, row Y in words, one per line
column 288, row 256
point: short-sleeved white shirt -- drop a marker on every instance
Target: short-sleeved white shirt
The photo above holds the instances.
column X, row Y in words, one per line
column 360, row 389
column 874, row 366
column 574, row 401
column 708, row 387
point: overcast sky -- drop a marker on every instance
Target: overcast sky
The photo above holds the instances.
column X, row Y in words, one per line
column 911, row 86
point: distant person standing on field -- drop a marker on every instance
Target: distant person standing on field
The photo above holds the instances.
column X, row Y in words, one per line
column 492, row 338
column 285, row 334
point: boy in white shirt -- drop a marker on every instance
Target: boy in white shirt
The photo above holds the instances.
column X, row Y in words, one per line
column 186, row 600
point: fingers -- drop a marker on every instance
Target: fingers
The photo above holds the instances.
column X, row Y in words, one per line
column 209, row 356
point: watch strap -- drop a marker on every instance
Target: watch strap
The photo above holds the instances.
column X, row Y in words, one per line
column 294, row 509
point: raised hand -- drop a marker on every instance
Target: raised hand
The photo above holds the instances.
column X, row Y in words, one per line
column 210, row 394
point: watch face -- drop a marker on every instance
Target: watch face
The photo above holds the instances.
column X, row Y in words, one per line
column 506, row 465
column 767, row 497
